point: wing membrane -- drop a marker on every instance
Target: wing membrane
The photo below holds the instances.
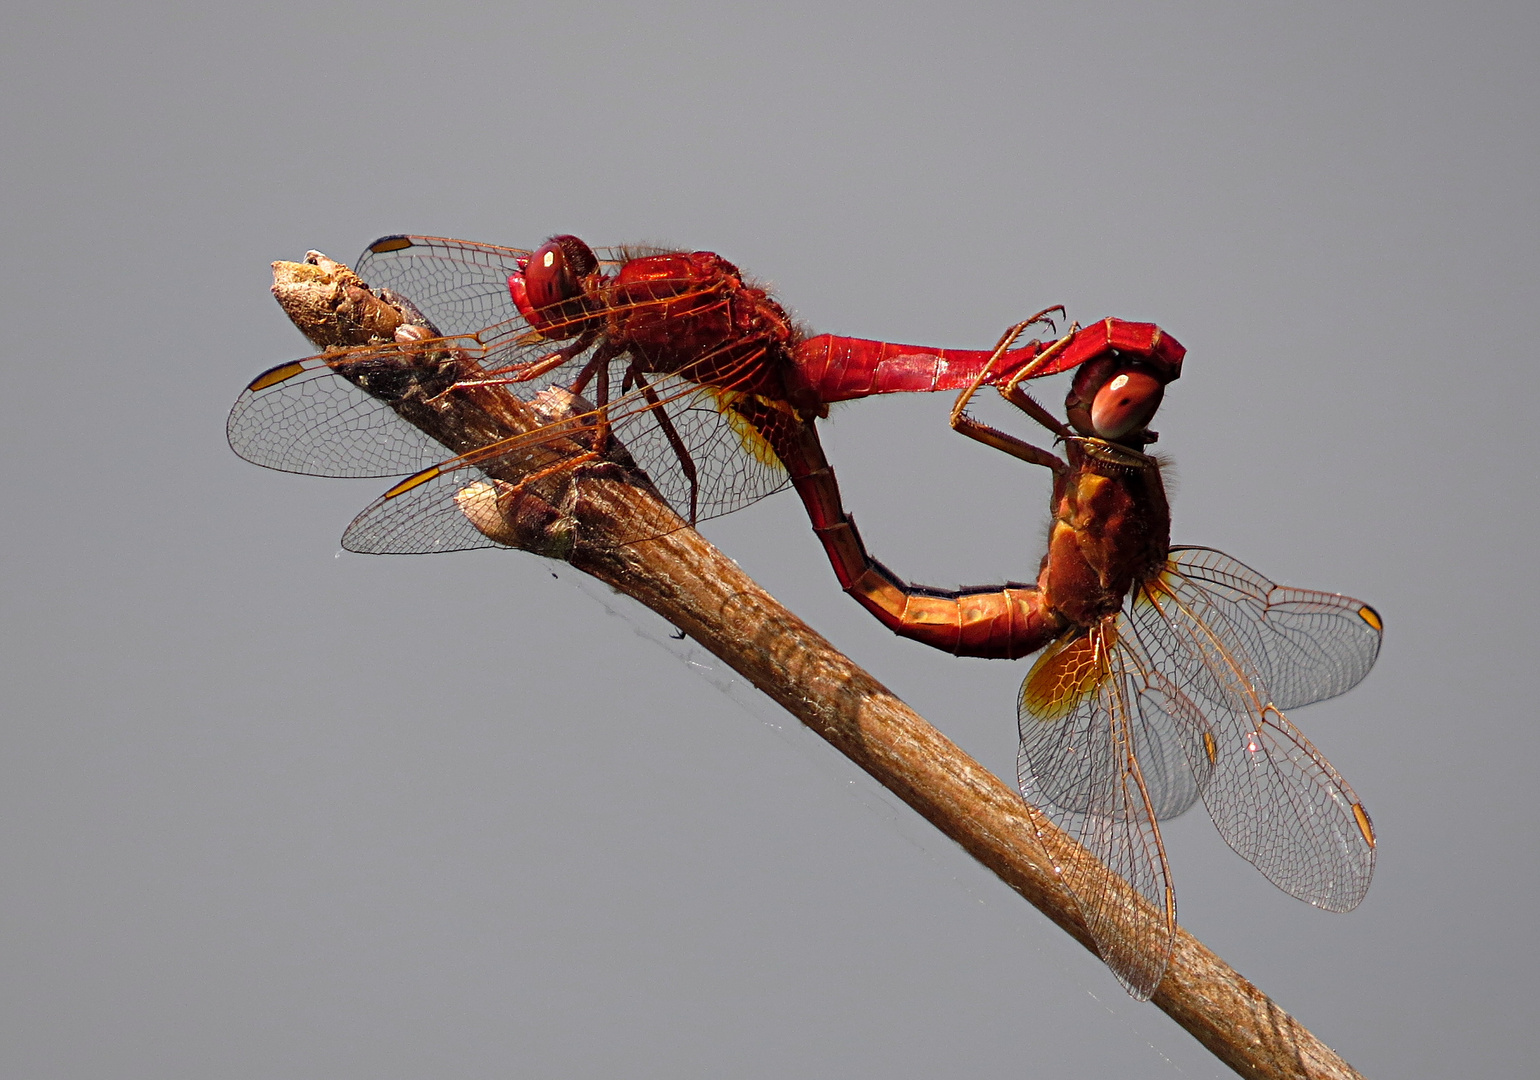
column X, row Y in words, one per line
column 1274, row 798
column 1306, row 646
column 301, row 417
column 348, row 412
column 1172, row 700
column 731, row 466
column 460, row 285
column 439, row 514
column 1128, row 749
column 728, row 470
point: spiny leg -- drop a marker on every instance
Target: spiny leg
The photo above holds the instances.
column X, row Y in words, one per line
column 602, row 410
column 596, row 363
column 686, row 462
column 517, row 491
column 1002, row 347
column 1024, row 401
column 991, row 436
column 537, row 368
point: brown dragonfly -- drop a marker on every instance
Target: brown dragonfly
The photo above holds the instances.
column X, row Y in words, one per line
column 1163, row 676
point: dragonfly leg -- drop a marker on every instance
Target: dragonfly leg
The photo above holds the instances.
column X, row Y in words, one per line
column 548, row 363
column 1002, row 347
column 686, row 463
column 1018, row 448
column 602, row 409
column 1028, row 404
column 1012, row 392
column 551, row 470
column 494, row 520
column 600, row 361
column 1039, row 362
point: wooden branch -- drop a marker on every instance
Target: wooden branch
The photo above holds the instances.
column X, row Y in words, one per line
column 578, row 515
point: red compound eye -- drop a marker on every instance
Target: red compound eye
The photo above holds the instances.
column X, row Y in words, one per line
column 551, row 276
column 1126, row 404
column 552, row 284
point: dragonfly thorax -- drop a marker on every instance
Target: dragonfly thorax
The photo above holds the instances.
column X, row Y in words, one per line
column 691, row 314
column 1111, row 530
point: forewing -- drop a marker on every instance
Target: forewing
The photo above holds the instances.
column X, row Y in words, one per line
column 729, row 469
column 460, row 285
column 1274, row 798
column 1105, row 752
column 1307, row 646
column 347, row 412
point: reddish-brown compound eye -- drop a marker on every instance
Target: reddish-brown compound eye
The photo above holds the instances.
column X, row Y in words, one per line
column 553, row 284
column 1126, row 404
column 550, row 276
column 1091, row 376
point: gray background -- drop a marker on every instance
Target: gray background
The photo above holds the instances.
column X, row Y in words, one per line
column 269, row 812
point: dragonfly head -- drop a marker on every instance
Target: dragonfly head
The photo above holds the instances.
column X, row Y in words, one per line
column 1114, row 398
column 549, row 290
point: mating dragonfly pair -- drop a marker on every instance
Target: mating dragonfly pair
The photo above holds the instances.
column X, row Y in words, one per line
column 1163, row 673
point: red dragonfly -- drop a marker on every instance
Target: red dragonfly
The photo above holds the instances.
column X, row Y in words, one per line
column 696, row 371
column 1163, row 675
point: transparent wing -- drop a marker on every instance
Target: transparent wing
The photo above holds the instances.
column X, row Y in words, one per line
column 439, row 514
column 1109, row 746
column 460, row 285
column 351, row 412
column 304, row 417
column 1274, row 798
column 700, row 455
column 348, row 412
column 1306, row 646
column 704, row 458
